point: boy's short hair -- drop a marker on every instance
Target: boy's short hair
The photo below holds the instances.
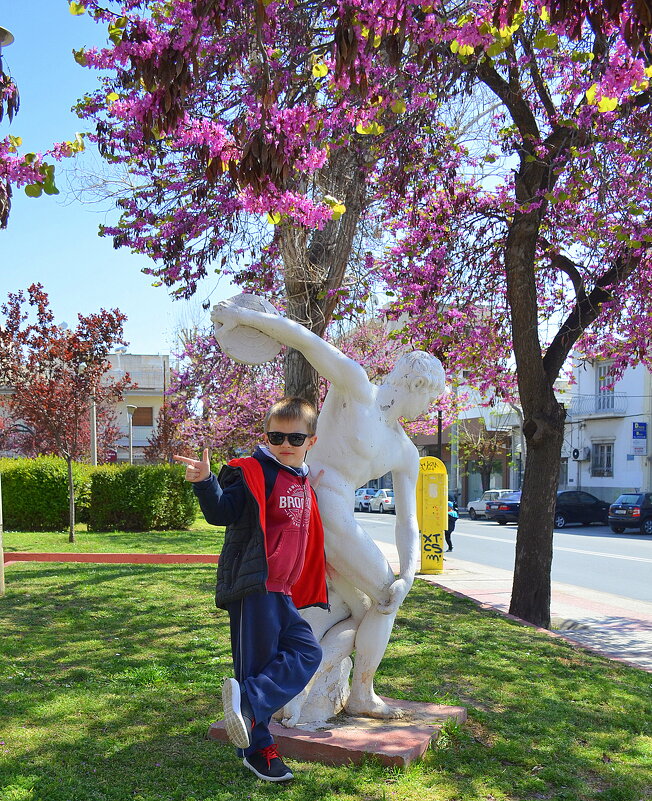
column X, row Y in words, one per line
column 293, row 408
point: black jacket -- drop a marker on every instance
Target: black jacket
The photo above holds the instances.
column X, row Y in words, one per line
column 230, row 500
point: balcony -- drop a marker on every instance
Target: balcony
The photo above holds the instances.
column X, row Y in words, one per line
column 602, row 404
column 149, row 381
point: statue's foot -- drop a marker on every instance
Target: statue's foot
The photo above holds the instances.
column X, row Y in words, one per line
column 373, row 706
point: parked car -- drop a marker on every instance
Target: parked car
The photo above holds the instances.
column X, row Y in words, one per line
column 573, row 506
column 383, row 501
column 362, row 498
column 478, row 508
column 504, row 510
column 631, row 510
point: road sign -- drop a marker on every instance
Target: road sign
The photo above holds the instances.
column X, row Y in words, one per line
column 639, row 438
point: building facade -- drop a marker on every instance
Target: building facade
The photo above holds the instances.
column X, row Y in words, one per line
column 606, row 445
column 151, row 375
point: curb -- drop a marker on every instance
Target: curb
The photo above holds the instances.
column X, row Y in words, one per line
column 552, row 634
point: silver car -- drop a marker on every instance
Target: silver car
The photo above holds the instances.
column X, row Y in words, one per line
column 383, row 501
column 362, row 498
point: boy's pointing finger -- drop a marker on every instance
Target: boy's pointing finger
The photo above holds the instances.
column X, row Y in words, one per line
column 185, row 460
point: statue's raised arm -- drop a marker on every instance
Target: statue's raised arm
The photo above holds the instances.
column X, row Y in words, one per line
column 343, row 372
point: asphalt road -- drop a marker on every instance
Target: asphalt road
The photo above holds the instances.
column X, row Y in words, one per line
column 591, row 557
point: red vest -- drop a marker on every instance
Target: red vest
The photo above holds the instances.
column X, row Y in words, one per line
column 309, row 588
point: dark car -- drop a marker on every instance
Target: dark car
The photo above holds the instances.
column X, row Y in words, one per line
column 504, row 510
column 573, row 506
column 632, row 510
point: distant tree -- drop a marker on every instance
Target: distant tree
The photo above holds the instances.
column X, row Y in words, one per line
column 483, row 446
column 54, row 373
column 166, row 439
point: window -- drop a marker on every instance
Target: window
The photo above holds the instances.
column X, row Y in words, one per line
column 143, row 416
column 602, row 459
column 563, row 472
column 605, row 388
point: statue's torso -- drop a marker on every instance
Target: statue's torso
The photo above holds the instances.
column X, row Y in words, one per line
column 355, row 443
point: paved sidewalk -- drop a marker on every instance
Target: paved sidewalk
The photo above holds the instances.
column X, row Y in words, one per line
column 616, row 627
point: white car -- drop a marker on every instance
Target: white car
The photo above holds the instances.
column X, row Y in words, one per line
column 383, row 501
column 479, row 508
column 362, row 498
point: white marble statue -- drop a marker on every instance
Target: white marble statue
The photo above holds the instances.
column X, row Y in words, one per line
column 359, row 437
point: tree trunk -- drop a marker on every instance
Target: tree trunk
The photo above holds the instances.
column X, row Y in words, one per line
column 543, row 428
column 71, row 500
column 531, row 590
column 316, row 267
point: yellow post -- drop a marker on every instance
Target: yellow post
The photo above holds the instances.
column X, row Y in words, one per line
column 432, row 512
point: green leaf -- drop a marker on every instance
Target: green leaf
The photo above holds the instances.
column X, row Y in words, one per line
column 80, row 57
column 112, row 97
column 76, row 9
column 546, row 40
column 373, row 128
column 496, row 48
column 33, row 190
column 273, row 217
column 398, row 106
column 320, row 70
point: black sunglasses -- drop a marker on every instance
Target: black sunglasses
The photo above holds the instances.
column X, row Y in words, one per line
column 295, row 439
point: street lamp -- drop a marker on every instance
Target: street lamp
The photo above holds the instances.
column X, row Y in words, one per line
column 130, row 411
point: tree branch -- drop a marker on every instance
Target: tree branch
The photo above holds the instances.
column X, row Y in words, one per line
column 585, row 312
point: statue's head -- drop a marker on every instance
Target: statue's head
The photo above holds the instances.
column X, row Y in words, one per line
column 418, row 378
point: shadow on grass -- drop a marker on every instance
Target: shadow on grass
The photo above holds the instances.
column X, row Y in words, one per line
column 111, row 677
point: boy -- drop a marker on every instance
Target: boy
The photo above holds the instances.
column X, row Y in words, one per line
column 271, row 564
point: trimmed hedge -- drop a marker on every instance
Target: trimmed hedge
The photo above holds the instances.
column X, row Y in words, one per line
column 35, row 493
column 108, row 498
column 141, row 498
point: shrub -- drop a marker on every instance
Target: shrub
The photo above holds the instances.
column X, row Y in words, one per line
column 141, row 498
column 35, row 493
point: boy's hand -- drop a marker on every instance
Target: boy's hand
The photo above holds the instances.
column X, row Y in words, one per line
column 196, row 470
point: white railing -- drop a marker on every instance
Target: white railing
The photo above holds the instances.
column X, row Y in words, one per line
column 600, row 404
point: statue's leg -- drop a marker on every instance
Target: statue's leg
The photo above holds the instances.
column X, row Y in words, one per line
column 360, row 563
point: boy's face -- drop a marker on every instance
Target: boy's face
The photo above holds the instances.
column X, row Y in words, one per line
column 286, row 453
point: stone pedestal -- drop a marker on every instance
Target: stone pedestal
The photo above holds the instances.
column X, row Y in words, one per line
column 349, row 739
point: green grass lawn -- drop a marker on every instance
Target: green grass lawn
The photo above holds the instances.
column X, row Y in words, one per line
column 110, row 677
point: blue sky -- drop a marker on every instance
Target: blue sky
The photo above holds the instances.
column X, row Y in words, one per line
column 54, row 239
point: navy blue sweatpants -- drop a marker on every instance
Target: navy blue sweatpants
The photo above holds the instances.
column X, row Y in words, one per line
column 275, row 654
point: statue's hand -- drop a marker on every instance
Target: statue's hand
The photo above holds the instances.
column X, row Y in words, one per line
column 226, row 315
column 397, row 592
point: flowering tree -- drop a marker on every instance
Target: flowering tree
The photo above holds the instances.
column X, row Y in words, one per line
column 542, row 220
column 242, row 153
column 29, row 170
column 53, row 375
column 545, row 236
column 219, row 404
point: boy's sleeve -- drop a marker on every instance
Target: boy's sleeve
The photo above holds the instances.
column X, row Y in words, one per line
column 220, row 506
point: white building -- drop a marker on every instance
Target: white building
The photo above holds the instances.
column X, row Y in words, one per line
column 151, row 374
column 608, row 428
